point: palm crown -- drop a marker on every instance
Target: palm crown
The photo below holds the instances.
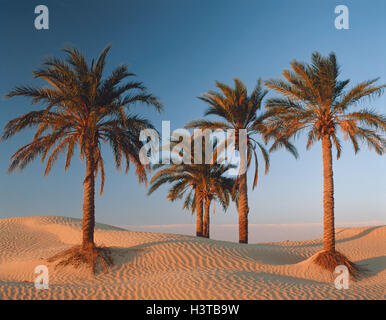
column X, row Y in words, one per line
column 84, row 110
column 239, row 112
column 315, row 100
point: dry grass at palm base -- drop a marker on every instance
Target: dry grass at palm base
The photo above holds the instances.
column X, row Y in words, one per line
column 78, row 255
column 329, row 260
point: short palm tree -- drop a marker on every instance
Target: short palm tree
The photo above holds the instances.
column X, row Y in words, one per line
column 181, row 178
column 200, row 184
column 216, row 187
column 239, row 110
column 316, row 101
column 82, row 110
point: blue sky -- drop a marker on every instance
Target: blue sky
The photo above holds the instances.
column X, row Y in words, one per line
column 178, row 49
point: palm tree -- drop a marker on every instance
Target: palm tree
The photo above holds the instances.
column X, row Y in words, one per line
column 239, row 110
column 82, row 110
column 182, row 178
column 200, row 184
column 216, row 186
column 315, row 100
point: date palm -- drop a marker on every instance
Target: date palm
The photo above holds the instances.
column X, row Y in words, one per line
column 239, row 110
column 215, row 187
column 199, row 184
column 316, row 101
column 185, row 184
column 82, row 110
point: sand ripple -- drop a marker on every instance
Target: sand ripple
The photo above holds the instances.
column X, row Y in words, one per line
column 168, row 266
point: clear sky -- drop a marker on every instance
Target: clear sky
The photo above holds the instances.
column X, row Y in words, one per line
column 178, row 48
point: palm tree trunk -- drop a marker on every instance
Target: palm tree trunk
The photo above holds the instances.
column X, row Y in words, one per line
column 206, row 219
column 328, row 196
column 243, row 209
column 88, row 222
column 199, row 209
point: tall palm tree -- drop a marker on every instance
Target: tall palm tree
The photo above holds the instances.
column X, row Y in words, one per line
column 316, row 101
column 200, row 184
column 83, row 110
column 239, row 110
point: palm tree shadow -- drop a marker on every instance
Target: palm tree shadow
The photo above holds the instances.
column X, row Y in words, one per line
column 319, row 242
column 360, row 235
column 124, row 255
column 273, row 255
column 373, row 266
column 287, row 279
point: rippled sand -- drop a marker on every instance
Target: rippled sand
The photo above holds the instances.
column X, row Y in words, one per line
column 168, row 266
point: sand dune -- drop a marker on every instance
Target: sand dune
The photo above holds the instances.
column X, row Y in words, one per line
column 169, row 266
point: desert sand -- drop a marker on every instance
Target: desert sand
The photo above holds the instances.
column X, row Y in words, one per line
column 169, row 266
